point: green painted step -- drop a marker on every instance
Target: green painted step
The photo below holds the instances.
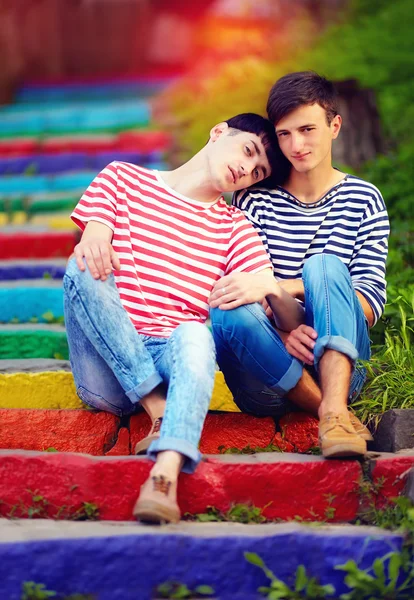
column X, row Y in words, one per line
column 33, row 341
column 34, row 204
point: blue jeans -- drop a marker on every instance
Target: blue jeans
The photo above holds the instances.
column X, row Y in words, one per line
column 256, row 365
column 114, row 366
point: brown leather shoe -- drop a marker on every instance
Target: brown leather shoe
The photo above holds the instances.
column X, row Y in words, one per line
column 338, row 438
column 360, row 428
column 142, row 446
column 157, row 501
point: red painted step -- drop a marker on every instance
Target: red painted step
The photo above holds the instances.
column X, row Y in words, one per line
column 221, row 431
column 137, row 141
column 63, row 430
column 48, row 244
column 97, row 433
column 286, row 486
column 300, row 430
column 389, row 473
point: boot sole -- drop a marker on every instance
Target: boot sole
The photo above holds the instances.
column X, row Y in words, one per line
column 366, row 436
column 151, row 512
column 142, row 446
column 344, row 450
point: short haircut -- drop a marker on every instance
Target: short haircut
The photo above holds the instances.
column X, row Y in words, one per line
column 300, row 89
column 265, row 130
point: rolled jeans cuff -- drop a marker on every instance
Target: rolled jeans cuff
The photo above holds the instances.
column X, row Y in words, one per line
column 334, row 342
column 289, row 379
column 144, row 388
column 189, row 451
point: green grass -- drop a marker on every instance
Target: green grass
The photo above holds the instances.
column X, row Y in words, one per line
column 390, row 381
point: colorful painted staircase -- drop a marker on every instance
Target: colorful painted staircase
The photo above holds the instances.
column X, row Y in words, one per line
column 60, row 462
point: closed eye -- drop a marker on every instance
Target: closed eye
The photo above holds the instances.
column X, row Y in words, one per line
column 248, row 151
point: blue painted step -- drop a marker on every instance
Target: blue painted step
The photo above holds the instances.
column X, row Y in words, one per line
column 77, row 117
column 46, row 164
column 112, row 88
column 32, row 269
column 31, row 300
column 127, row 561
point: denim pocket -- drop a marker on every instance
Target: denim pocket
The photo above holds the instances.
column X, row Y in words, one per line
column 98, row 402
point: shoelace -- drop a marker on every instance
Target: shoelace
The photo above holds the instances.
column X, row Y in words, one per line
column 157, row 425
column 333, row 420
column 161, row 484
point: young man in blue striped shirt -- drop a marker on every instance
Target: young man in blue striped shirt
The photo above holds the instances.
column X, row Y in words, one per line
column 327, row 235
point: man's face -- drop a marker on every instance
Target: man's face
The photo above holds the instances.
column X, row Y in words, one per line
column 305, row 137
column 237, row 159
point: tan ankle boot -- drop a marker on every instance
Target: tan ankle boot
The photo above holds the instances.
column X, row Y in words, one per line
column 338, row 438
column 142, row 446
column 360, row 428
column 157, row 502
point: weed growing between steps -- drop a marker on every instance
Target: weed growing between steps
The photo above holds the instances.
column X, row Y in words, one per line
column 39, row 507
column 170, row 589
column 37, row 591
column 175, row 589
column 314, row 450
column 303, row 587
column 389, row 578
column 239, row 513
column 249, row 449
column 248, row 514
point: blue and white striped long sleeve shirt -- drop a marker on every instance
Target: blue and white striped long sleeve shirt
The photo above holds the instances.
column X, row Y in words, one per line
column 350, row 221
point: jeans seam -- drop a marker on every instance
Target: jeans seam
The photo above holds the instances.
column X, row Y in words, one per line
column 325, row 285
column 171, row 382
column 79, row 299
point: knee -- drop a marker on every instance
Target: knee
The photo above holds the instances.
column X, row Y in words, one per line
column 73, row 272
column 197, row 334
column 242, row 317
column 322, row 265
column 81, row 280
column 197, row 347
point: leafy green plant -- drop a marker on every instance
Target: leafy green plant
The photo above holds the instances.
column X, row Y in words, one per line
column 174, row 589
column 396, row 515
column 389, row 578
column 390, row 372
column 303, row 588
column 35, row 591
column 38, row 591
column 50, row 318
column 249, row 449
column 88, row 511
column 238, row 513
column 39, row 507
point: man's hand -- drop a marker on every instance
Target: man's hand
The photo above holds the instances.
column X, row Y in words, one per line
column 267, row 309
column 99, row 255
column 300, row 343
column 237, row 289
column 294, row 287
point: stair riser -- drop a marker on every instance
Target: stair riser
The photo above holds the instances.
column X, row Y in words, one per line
column 129, row 567
column 52, row 390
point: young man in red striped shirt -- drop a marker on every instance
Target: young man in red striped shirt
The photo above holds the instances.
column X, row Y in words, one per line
column 136, row 293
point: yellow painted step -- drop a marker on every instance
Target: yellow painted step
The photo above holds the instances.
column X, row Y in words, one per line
column 57, row 390
column 50, row 221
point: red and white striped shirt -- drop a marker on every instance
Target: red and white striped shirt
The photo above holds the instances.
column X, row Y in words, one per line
column 172, row 249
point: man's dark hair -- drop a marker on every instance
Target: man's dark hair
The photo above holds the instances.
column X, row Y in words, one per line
column 265, row 130
column 299, row 89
